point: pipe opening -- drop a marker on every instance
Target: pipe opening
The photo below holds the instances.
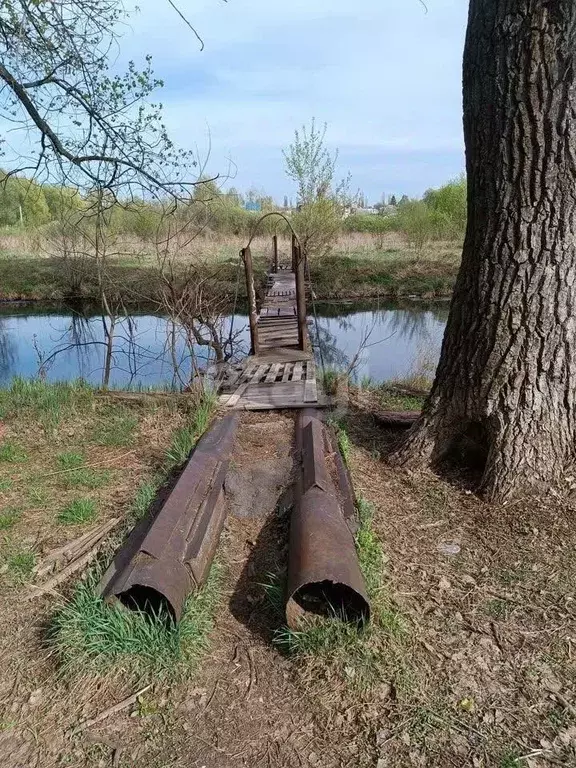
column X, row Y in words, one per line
column 149, row 601
column 333, row 600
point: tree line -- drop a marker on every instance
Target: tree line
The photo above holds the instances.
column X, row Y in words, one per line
column 439, row 215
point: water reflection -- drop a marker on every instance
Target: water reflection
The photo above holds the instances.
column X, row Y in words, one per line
column 381, row 342
column 149, row 350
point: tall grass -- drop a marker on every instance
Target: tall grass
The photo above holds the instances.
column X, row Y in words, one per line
column 44, row 401
column 88, row 635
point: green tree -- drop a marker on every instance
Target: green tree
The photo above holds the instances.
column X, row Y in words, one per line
column 449, row 206
column 309, row 163
column 22, row 201
column 90, row 125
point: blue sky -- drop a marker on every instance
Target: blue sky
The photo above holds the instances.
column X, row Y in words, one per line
column 384, row 74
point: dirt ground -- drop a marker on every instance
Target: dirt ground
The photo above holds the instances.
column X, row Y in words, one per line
column 486, row 674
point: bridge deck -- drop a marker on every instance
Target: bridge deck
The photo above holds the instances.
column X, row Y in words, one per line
column 281, row 375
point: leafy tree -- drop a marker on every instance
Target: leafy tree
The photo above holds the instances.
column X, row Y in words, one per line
column 449, row 206
column 506, row 381
column 310, row 164
column 22, row 201
column 61, row 200
column 393, row 201
column 90, row 126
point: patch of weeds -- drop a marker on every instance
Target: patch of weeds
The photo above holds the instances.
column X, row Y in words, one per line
column 5, row 485
column 117, row 429
column 186, row 437
column 38, row 495
column 87, row 478
column 12, row 452
column 9, row 518
column 344, row 445
column 558, row 718
column 510, row 759
column 330, row 381
column 90, row 635
column 77, row 512
column 423, row 722
column 145, row 495
column 46, row 401
column 396, row 401
column 20, row 564
column 510, row 576
column 497, row 608
column 70, row 460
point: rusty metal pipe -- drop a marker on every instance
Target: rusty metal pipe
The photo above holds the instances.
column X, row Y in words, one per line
column 324, row 574
column 168, row 555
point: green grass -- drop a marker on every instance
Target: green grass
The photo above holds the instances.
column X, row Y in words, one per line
column 87, row 478
column 12, row 452
column 344, row 445
column 116, row 430
column 20, row 564
column 5, row 485
column 70, row 460
column 75, row 475
column 145, row 495
column 43, row 401
column 361, row 656
column 77, row 512
column 186, row 437
column 510, row 759
column 8, row 518
column 90, row 635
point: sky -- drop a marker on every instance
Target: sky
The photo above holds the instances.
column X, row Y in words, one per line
column 385, row 75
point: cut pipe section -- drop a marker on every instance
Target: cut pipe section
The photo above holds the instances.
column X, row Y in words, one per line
column 168, row 555
column 324, row 576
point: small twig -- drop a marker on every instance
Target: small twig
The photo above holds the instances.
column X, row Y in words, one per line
column 253, row 677
column 565, row 703
column 112, row 710
column 87, row 466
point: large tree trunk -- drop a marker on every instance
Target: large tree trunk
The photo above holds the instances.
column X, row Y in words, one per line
column 507, row 371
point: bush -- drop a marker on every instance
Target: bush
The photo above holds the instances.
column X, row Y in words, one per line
column 449, row 206
column 374, row 225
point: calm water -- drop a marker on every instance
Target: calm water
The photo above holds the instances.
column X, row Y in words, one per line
column 69, row 344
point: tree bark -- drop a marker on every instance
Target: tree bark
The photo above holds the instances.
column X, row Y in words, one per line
column 507, row 369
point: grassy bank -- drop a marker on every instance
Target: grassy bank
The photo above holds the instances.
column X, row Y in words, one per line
column 357, row 268
column 70, row 460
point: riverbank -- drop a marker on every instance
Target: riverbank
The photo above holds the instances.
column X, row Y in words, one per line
column 468, row 659
column 356, row 269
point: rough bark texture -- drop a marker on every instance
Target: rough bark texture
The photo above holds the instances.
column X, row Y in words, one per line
column 508, row 364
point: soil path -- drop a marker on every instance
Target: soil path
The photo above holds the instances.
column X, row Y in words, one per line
column 246, row 708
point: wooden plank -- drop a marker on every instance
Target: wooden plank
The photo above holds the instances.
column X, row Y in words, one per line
column 288, row 368
column 234, row 398
column 310, row 391
column 260, row 371
column 272, row 373
column 297, row 375
column 310, row 370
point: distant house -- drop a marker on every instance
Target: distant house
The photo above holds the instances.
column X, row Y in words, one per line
column 253, row 205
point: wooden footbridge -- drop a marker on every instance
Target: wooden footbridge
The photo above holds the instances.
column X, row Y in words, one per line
column 280, row 371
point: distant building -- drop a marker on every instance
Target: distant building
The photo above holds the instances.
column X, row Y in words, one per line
column 253, row 205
